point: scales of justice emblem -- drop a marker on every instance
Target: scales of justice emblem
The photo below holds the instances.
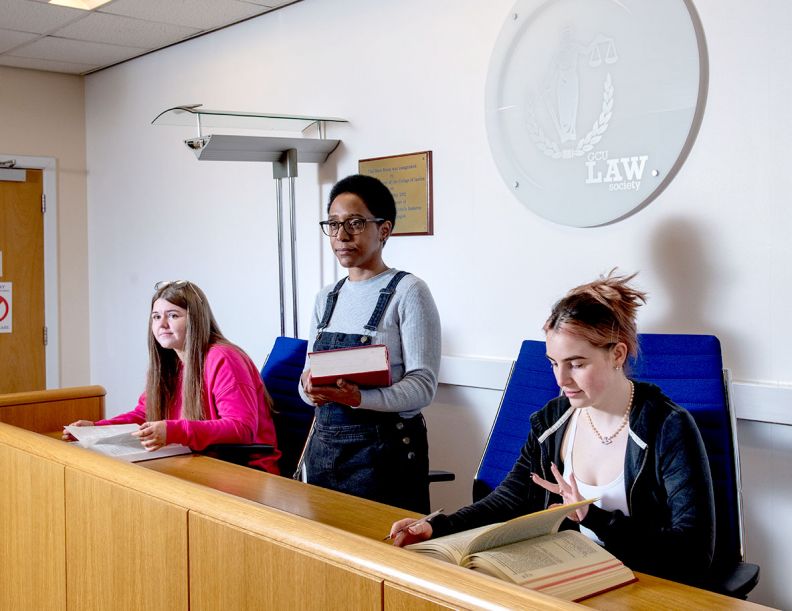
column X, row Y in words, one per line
column 560, row 97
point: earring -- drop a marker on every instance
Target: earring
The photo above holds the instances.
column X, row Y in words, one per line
column 618, row 368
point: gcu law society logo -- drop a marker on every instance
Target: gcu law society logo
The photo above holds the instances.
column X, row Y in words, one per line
column 590, row 110
column 560, row 97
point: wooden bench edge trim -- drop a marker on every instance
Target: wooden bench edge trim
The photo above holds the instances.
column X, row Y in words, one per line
column 54, row 394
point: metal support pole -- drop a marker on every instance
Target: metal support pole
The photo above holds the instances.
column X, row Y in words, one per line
column 292, row 215
column 279, row 209
column 286, row 167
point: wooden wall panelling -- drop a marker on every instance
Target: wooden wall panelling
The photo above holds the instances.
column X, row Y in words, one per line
column 234, row 569
column 124, row 549
column 32, row 549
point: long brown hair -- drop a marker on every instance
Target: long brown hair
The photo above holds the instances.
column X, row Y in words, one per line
column 163, row 372
column 602, row 312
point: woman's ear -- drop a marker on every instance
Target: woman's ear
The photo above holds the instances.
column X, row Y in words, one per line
column 385, row 231
column 619, row 354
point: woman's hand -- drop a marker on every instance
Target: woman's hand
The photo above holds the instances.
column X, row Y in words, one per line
column 409, row 534
column 67, row 436
column 310, row 390
column 152, row 435
column 343, row 392
column 567, row 490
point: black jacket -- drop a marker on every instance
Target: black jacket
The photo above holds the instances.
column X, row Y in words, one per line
column 670, row 531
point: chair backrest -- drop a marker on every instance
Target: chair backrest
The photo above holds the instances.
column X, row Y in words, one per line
column 688, row 368
column 291, row 415
column 531, row 384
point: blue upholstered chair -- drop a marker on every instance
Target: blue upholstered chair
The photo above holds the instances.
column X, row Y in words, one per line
column 690, row 371
column 292, row 416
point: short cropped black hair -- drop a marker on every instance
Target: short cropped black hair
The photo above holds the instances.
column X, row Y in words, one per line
column 377, row 197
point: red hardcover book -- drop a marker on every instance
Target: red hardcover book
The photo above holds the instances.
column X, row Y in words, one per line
column 363, row 365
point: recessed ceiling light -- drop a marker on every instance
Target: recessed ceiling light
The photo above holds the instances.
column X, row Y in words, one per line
column 86, row 5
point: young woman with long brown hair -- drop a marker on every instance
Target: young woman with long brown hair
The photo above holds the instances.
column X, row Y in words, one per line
column 200, row 389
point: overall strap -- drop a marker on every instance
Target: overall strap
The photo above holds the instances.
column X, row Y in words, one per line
column 385, row 296
column 332, row 297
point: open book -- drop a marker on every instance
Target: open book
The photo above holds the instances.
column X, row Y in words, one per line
column 116, row 440
column 530, row 552
column 364, row 365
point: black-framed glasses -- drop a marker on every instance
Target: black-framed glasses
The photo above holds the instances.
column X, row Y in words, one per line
column 351, row 226
column 162, row 284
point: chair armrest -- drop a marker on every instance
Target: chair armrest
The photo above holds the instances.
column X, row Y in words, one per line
column 441, row 476
column 735, row 581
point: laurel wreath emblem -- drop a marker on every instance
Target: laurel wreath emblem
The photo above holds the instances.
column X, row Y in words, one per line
column 586, row 143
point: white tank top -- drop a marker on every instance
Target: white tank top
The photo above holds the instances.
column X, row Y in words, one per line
column 611, row 496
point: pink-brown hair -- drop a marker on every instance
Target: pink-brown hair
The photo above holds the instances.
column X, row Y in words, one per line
column 602, row 312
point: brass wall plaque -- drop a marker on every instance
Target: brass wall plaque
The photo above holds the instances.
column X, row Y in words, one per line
column 409, row 178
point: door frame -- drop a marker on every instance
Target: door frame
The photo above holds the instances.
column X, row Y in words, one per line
column 51, row 292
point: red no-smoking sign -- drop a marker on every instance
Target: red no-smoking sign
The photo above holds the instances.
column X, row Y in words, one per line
column 4, row 308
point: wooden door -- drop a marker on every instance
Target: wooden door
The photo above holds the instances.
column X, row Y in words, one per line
column 22, row 362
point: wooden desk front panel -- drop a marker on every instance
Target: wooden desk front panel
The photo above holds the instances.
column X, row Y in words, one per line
column 126, row 530
column 234, row 569
column 32, row 532
column 125, row 550
column 396, row 598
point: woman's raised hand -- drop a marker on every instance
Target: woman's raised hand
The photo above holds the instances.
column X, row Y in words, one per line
column 567, row 490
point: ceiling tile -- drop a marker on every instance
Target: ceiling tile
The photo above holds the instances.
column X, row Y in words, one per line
column 118, row 30
column 10, row 39
column 27, row 16
column 270, row 3
column 45, row 64
column 94, row 53
column 202, row 14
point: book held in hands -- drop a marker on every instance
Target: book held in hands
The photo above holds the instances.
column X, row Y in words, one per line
column 363, row 365
column 116, row 440
column 530, row 552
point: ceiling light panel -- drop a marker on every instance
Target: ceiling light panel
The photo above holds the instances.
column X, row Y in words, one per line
column 85, row 5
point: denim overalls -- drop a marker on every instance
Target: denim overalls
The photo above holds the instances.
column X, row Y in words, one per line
column 375, row 455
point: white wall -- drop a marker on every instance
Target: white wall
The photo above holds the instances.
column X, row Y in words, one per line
column 712, row 249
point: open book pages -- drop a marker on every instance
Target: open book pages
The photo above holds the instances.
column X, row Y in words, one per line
column 116, row 440
column 453, row 548
column 529, row 551
column 566, row 565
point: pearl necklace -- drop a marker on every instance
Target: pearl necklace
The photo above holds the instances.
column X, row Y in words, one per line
column 608, row 439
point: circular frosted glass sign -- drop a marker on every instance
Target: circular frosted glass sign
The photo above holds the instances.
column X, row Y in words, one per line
column 593, row 105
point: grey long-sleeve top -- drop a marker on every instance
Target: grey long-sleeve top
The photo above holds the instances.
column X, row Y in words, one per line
column 410, row 328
